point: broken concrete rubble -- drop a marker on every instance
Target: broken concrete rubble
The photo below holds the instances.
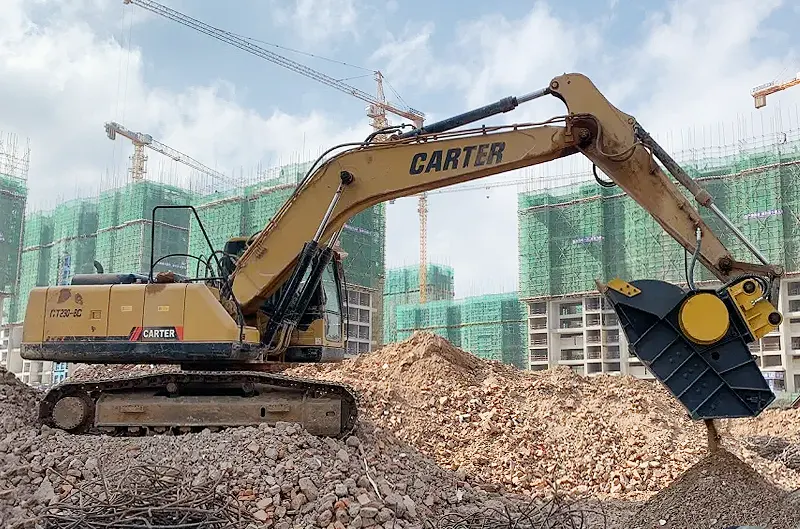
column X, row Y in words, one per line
column 441, row 432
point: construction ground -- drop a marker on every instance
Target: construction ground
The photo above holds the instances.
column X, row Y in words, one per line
column 445, row 440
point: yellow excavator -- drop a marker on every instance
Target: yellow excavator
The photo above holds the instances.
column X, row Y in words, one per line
column 275, row 299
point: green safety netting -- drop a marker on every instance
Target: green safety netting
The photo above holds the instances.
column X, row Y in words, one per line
column 586, row 232
column 401, row 287
column 13, row 193
column 491, row 326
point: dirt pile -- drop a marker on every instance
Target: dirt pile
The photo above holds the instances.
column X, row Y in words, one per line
column 522, row 430
column 719, row 491
column 278, row 476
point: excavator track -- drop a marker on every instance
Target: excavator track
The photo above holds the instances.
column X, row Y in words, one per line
column 190, row 401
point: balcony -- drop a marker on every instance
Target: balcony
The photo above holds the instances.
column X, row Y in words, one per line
column 537, row 309
column 592, row 304
column 572, row 356
column 537, row 356
column 610, row 320
column 537, row 325
column 570, row 309
column 538, row 340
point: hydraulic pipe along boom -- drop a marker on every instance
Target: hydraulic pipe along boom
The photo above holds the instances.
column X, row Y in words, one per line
column 504, row 105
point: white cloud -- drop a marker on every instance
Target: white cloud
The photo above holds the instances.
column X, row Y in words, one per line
column 60, row 83
column 693, row 70
column 317, row 21
column 408, row 59
column 516, row 56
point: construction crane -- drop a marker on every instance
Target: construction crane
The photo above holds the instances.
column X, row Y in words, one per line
column 376, row 111
column 761, row 92
column 138, row 168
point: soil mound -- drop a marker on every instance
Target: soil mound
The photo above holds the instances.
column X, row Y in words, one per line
column 526, row 431
column 720, row 491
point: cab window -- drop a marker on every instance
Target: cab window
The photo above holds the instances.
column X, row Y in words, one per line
column 333, row 314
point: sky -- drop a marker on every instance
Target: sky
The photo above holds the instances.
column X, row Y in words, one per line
column 684, row 68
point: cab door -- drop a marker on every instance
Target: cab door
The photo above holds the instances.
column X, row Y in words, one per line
column 332, row 308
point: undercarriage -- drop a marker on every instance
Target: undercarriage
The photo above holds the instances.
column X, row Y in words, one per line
column 186, row 402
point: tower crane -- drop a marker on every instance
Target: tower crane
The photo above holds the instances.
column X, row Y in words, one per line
column 376, row 111
column 138, row 168
column 761, row 92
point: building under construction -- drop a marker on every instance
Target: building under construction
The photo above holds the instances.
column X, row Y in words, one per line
column 14, row 162
column 490, row 326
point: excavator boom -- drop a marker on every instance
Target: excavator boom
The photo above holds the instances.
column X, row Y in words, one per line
column 426, row 160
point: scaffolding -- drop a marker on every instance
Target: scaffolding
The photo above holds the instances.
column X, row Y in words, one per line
column 246, row 212
column 115, row 228
column 570, row 236
column 14, row 163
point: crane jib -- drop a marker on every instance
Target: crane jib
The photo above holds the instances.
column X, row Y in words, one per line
column 457, row 158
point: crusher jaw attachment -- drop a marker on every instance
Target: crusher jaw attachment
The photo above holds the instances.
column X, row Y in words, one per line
column 695, row 342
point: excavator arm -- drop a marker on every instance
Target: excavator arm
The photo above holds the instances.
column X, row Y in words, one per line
column 370, row 173
column 694, row 342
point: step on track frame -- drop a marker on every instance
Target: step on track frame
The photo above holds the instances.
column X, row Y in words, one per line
column 77, row 414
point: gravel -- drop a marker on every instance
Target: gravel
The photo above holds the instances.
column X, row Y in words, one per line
column 444, row 440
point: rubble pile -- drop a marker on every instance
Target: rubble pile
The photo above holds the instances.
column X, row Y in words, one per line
column 522, row 431
column 445, row 439
column 719, row 491
column 18, row 404
column 777, row 423
column 278, row 477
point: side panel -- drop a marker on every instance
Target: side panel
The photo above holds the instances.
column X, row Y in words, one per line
column 126, row 309
column 33, row 326
column 206, row 320
column 314, row 336
column 76, row 311
column 164, row 304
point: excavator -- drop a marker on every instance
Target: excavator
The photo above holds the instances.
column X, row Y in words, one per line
column 274, row 299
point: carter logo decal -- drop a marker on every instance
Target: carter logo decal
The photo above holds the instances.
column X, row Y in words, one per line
column 156, row 334
column 457, row 158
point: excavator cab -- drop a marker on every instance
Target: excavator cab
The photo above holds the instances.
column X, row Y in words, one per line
column 320, row 332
